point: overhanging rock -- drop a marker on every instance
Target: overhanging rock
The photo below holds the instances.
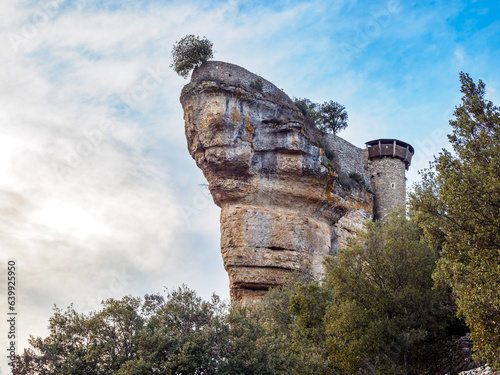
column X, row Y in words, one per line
column 284, row 205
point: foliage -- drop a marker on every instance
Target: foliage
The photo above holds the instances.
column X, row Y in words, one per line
column 278, row 335
column 306, row 107
column 257, row 84
column 179, row 335
column 317, row 136
column 331, row 117
column 357, row 177
column 255, row 346
column 189, row 53
column 316, row 120
column 329, row 153
column 458, row 206
column 97, row 343
column 386, row 317
column 182, row 335
column 376, row 311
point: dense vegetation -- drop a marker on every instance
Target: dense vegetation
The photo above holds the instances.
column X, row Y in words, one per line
column 387, row 317
column 458, row 206
column 376, row 311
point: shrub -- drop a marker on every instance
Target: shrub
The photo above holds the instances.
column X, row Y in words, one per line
column 257, row 84
column 189, row 53
column 357, row 177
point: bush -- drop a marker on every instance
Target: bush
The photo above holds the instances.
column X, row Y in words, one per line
column 189, row 53
column 257, row 84
column 386, row 314
column 357, row 177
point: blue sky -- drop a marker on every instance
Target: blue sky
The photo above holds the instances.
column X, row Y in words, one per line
column 99, row 196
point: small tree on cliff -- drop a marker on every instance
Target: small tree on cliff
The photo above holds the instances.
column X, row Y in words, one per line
column 332, row 117
column 189, row 53
column 329, row 117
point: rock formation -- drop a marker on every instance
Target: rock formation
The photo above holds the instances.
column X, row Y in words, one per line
column 284, row 205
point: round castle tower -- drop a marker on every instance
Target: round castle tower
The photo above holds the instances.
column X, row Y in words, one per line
column 387, row 162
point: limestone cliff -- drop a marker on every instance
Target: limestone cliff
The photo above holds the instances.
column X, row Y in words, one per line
column 284, row 205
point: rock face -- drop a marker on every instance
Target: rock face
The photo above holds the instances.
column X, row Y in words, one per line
column 284, row 206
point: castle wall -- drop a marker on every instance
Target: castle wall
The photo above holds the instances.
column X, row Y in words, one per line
column 349, row 157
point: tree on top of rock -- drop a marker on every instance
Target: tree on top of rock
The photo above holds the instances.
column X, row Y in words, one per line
column 189, row 53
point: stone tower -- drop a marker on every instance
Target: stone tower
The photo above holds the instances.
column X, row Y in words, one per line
column 387, row 162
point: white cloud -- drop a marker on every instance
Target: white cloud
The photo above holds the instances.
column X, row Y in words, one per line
column 89, row 214
column 85, row 211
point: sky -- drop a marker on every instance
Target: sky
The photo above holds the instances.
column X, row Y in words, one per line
column 99, row 196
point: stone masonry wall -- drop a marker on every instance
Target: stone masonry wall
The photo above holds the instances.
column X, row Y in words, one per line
column 351, row 160
column 387, row 177
column 349, row 157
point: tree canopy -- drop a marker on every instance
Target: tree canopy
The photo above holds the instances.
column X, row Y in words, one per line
column 332, row 117
column 329, row 117
column 189, row 53
column 458, row 206
column 376, row 311
column 388, row 318
column 179, row 335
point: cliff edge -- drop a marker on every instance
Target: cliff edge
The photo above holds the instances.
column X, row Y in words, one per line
column 284, row 204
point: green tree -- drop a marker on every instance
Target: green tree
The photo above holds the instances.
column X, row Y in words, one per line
column 179, row 335
column 458, row 206
column 184, row 335
column 278, row 335
column 189, row 53
column 331, row 117
column 95, row 343
column 386, row 317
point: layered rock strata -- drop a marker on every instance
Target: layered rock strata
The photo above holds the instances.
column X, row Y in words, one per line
column 284, row 207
